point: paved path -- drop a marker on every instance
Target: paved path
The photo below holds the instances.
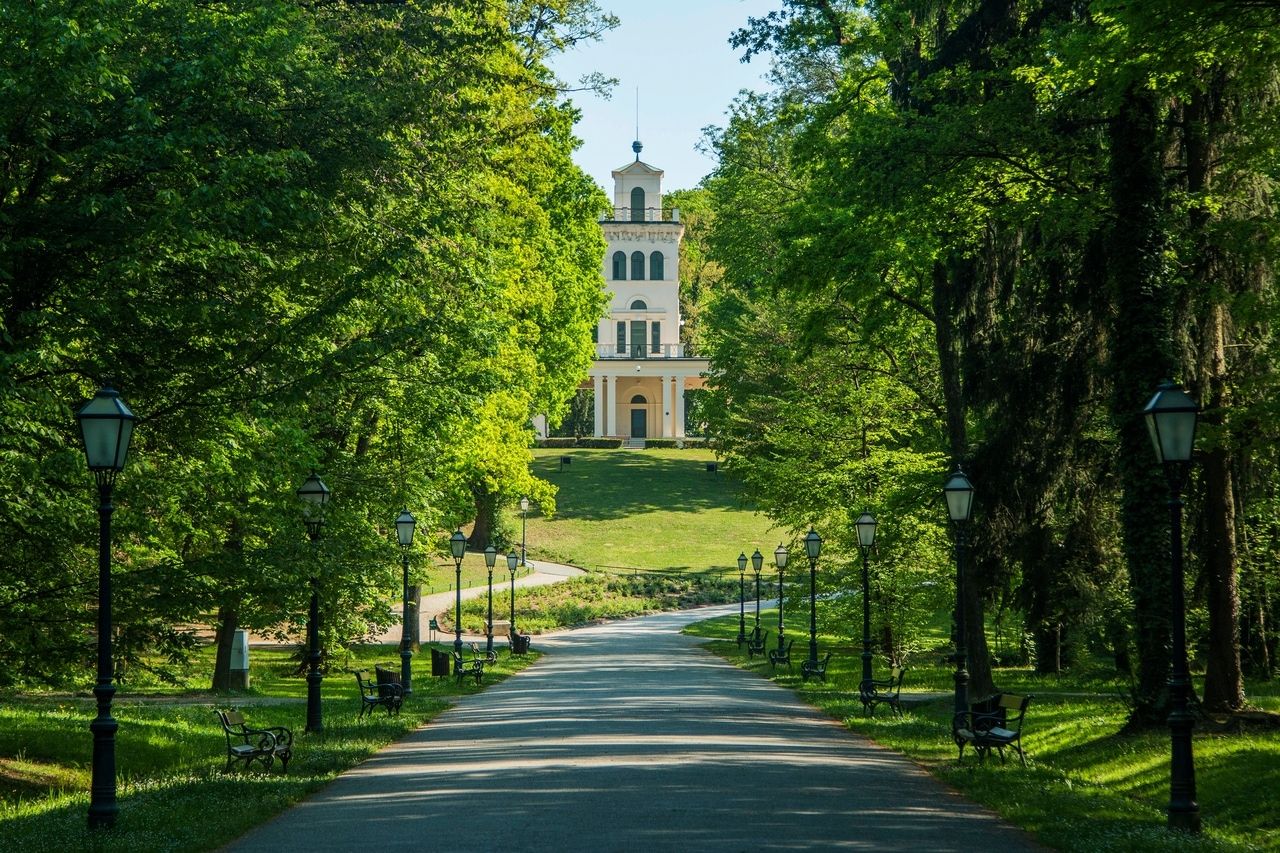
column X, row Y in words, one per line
column 438, row 602
column 628, row 737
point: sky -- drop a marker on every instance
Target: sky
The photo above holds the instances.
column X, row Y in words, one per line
column 677, row 52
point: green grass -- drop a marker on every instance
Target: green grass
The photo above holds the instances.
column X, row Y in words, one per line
column 650, row 509
column 1087, row 787
column 172, row 792
column 582, row 600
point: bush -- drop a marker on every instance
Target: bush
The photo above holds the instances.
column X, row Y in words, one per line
column 579, row 442
column 676, row 443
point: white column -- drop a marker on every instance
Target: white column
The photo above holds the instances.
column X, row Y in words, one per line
column 611, row 405
column 679, row 407
column 598, row 430
column 664, row 428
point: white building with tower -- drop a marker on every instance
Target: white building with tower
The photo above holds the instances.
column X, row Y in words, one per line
column 642, row 371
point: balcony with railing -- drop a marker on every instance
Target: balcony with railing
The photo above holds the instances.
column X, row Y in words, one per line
column 623, row 215
column 646, row 351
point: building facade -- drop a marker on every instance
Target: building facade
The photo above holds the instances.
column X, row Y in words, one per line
column 642, row 370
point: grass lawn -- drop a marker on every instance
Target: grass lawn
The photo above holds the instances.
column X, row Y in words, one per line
column 172, row 792
column 647, row 509
column 1087, row 788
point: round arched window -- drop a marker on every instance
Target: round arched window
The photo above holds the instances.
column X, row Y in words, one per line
column 639, row 399
column 639, row 305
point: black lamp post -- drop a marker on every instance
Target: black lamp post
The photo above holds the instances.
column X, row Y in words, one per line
column 512, row 562
column 813, row 548
column 780, row 560
column 1171, row 419
column 106, row 426
column 405, row 525
column 315, row 495
column 458, row 547
column 757, row 562
column 742, row 597
column 524, row 513
column 490, row 558
column 866, row 526
column 959, row 494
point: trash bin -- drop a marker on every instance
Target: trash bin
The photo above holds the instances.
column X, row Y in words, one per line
column 239, row 674
column 520, row 644
column 439, row 663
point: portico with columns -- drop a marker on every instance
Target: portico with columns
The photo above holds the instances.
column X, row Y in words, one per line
column 642, row 369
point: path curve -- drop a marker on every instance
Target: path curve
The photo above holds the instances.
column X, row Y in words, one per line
column 627, row 736
column 544, row 573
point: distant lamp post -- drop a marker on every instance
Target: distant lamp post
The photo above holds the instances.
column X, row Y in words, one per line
column 405, row 524
column 524, row 514
column 780, row 556
column 757, row 563
column 315, row 496
column 1171, row 419
column 512, row 562
column 742, row 597
column 959, row 494
column 490, row 558
column 813, row 549
column 866, row 527
column 106, row 427
column 458, row 547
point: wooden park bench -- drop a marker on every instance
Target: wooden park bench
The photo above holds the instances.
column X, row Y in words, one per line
column 385, row 691
column 463, row 667
column 488, row 658
column 885, row 690
column 994, row 723
column 777, row 656
column 249, row 745
column 755, row 642
column 815, row 668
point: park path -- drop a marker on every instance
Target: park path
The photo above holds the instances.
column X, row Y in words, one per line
column 626, row 736
column 437, row 602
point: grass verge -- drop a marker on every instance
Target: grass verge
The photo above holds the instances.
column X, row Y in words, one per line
column 170, row 753
column 1087, row 787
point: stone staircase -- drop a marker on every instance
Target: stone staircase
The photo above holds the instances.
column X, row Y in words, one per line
column 633, row 444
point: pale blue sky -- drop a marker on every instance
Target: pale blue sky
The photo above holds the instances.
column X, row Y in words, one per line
column 678, row 53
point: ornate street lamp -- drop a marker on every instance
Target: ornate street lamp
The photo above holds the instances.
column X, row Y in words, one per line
column 780, row 556
column 315, row 496
column 742, row 597
column 1171, row 419
column 490, row 558
column 959, row 494
column 458, row 547
column 866, row 527
column 512, row 562
column 813, row 549
column 405, row 524
column 106, row 427
column 524, row 513
column 757, row 562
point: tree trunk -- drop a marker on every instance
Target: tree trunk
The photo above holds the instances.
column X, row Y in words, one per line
column 482, row 532
column 228, row 622
column 1224, row 682
column 1140, row 335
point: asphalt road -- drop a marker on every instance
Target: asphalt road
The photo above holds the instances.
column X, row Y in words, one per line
column 628, row 737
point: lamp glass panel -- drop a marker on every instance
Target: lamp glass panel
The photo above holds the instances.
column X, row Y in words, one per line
column 513, row 560
column 458, row 544
column 106, row 427
column 780, row 557
column 959, row 494
column 866, row 525
column 524, row 504
column 742, row 562
column 405, row 525
column 1171, row 422
column 490, row 556
column 757, row 560
column 813, row 544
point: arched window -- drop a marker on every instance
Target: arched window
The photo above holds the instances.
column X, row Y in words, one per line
column 639, row 305
column 637, row 205
column 655, row 266
column 638, row 400
column 619, row 266
column 637, row 265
